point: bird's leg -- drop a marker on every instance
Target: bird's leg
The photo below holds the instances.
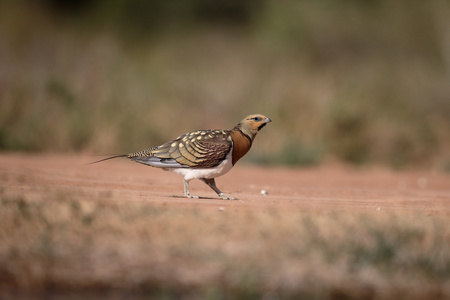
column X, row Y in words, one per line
column 186, row 190
column 212, row 184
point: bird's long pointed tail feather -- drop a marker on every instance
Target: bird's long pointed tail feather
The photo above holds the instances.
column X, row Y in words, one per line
column 108, row 158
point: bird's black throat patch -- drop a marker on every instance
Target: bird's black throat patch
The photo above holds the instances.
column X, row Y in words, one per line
column 261, row 126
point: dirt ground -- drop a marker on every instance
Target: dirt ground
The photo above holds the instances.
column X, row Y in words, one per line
column 118, row 229
column 321, row 189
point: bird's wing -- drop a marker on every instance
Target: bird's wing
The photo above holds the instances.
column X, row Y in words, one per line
column 197, row 149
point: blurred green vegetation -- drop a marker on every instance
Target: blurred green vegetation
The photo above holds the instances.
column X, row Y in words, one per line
column 357, row 81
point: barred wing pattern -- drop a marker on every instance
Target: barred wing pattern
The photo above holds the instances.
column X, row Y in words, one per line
column 197, row 149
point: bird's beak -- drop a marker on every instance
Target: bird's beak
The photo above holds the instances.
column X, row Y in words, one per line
column 267, row 120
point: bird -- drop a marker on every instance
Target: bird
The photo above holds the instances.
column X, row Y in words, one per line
column 202, row 154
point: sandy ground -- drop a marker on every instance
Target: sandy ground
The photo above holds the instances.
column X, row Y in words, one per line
column 322, row 189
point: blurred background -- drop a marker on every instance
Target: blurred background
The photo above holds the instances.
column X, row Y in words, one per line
column 359, row 82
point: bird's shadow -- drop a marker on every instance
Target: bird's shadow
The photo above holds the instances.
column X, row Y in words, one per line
column 199, row 198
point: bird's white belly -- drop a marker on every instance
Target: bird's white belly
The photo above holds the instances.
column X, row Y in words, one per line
column 192, row 173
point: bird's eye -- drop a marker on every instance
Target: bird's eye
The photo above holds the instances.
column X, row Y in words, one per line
column 257, row 119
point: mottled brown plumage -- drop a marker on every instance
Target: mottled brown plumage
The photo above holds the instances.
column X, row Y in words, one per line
column 197, row 149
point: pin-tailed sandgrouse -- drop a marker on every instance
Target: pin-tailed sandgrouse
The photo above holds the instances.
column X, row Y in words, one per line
column 203, row 154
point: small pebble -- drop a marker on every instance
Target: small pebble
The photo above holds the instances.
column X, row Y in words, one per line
column 379, row 208
column 264, row 192
column 221, row 208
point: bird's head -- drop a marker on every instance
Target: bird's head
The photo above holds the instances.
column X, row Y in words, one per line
column 251, row 124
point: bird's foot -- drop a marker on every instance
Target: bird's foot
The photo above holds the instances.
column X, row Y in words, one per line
column 191, row 196
column 222, row 196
